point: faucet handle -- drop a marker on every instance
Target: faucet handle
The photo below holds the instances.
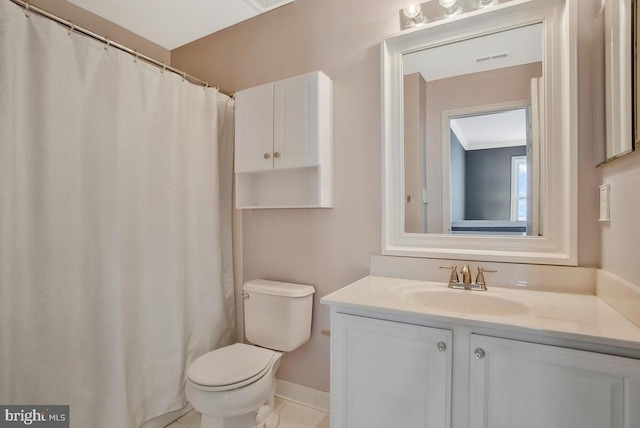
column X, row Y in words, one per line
column 480, row 277
column 454, row 274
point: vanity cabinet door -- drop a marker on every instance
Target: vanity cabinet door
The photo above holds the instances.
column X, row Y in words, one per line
column 526, row 385
column 387, row 374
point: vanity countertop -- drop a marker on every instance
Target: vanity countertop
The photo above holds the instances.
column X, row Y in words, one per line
column 562, row 315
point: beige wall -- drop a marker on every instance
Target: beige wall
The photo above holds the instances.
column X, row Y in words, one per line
column 331, row 248
column 81, row 17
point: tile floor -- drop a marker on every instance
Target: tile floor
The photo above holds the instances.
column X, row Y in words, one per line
column 292, row 415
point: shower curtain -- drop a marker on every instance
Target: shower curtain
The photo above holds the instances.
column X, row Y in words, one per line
column 115, row 226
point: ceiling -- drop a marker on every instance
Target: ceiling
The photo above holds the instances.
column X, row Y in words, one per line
column 491, row 131
column 173, row 23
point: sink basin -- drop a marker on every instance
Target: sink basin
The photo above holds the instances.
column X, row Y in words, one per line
column 495, row 302
column 465, row 301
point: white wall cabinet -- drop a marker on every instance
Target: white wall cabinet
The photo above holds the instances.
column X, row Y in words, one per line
column 387, row 373
column 284, row 138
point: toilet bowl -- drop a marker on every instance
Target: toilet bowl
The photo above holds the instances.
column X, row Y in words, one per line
column 234, row 386
column 231, row 384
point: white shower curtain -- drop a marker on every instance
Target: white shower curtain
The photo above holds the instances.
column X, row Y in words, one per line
column 115, row 226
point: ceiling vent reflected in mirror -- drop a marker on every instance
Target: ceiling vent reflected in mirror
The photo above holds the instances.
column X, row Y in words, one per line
column 494, row 57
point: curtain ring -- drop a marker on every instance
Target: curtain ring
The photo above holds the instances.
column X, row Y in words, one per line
column 135, row 58
column 184, row 75
column 72, row 27
column 27, row 6
column 107, row 43
column 164, row 67
column 206, row 85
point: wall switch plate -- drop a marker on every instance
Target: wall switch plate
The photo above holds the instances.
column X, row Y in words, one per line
column 604, row 202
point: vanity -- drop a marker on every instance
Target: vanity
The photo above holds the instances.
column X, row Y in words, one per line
column 539, row 348
column 414, row 353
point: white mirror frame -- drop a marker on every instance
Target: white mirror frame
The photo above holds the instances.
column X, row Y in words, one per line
column 559, row 154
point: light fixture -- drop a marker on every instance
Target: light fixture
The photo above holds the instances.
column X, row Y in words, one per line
column 413, row 16
column 450, row 7
column 430, row 11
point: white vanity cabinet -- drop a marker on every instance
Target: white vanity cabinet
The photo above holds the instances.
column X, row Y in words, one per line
column 528, row 385
column 283, row 151
column 388, row 374
column 399, row 374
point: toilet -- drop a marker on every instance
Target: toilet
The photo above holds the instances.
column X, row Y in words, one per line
column 234, row 386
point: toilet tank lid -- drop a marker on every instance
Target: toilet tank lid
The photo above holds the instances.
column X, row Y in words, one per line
column 277, row 288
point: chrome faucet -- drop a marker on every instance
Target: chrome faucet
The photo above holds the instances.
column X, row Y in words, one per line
column 479, row 284
column 466, row 274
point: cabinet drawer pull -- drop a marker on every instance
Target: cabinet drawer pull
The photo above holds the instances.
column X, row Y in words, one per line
column 479, row 353
column 276, row 155
column 267, row 155
column 442, row 346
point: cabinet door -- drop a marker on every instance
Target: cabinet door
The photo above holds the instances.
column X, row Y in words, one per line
column 295, row 131
column 525, row 385
column 386, row 374
column 254, row 129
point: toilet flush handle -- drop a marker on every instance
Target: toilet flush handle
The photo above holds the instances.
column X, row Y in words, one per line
column 244, row 295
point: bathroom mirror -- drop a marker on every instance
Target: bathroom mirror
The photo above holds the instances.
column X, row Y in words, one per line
column 472, row 169
column 502, row 80
column 614, row 39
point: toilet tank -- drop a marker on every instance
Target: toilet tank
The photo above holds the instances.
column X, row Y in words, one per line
column 277, row 315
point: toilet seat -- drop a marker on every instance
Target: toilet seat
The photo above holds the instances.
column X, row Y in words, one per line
column 230, row 367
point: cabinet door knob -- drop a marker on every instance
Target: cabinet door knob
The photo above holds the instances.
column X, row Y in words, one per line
column 479, row 353
column 267, row 155
column 276, row 154
column 442, row 346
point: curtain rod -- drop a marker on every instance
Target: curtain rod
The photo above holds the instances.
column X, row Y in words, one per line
column 28, row 8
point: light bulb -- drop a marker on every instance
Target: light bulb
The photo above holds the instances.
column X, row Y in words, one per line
column 412, row 10
column 486, row 3
column 450, row 6
column 447, row 4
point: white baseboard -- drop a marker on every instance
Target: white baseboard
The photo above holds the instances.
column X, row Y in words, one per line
column 301, row 394
column 620, row 294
